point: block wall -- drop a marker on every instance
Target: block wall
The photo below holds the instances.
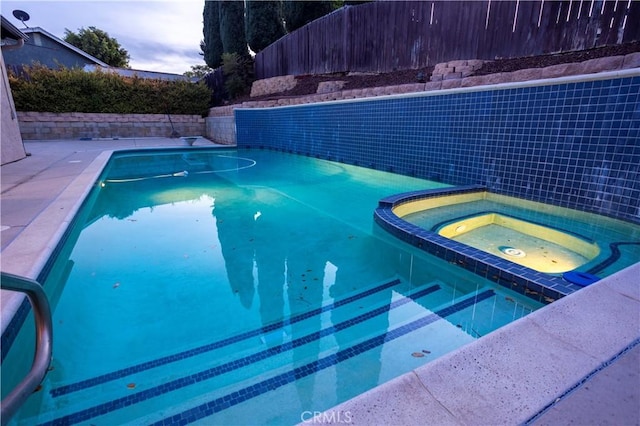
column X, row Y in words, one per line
column 51, row 126
column 221, row 130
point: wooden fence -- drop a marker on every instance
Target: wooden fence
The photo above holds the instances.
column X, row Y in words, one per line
column 383, row 36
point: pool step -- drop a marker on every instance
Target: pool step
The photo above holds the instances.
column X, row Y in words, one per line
column 347, row 358
column 359, row 333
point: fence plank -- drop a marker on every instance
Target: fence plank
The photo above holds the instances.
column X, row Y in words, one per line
column 632, row 29
column 382, row 36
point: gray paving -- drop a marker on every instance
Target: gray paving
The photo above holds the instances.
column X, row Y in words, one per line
column 591, row 404
column 575, row 361
column 559, row 365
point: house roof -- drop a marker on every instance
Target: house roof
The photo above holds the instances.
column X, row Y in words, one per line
column 65, row 44
column 11, row 31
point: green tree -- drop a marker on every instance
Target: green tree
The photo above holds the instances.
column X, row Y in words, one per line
column 299, row 13
column 232, row 31
column 212, row 43
column 197, row 71
column 263, row 23
column 97, row 43
column 238, row 74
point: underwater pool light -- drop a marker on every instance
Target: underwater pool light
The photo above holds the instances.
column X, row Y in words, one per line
column 512, row 251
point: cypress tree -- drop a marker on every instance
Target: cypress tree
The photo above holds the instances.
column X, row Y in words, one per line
column 212, row 46
column 264, row 23
column 232, row 32
column 299, row 13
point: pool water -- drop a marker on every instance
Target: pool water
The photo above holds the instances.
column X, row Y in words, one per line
column 251, row 289
column 537, row 253
column 546, row 238
column 535, row 246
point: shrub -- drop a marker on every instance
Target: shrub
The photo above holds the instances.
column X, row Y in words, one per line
column 74, row 90
column 238, row 74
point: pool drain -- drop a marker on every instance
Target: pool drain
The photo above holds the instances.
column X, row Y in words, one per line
column 512, row 251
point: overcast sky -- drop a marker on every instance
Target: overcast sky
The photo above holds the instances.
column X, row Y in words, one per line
column 160, row 35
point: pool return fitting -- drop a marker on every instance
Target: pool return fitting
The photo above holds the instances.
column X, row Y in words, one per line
column 44, row 342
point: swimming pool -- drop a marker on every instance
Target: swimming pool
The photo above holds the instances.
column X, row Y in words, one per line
column 250, row 289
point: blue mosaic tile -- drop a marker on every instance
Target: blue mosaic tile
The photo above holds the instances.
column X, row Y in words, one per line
column 164, row 388
column 221, row 403
column 62, row 390
column 11, row 332
column 573, row 144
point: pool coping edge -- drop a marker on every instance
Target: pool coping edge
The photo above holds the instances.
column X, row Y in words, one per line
column 39, row 238
column 535, row 365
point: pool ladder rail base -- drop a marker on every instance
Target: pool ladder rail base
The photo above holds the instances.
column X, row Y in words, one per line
column 44, row 343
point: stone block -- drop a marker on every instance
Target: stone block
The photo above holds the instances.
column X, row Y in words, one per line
column 413, row 87
column 452, row 76
column 632, row 60
column 360, row 93
column 433, row 85
column 330, row 86
column 472, row 81
column 441, row 68
column 562, row 70
column 402, row 88
column 496, row 78
column 475, row 64
column 272, row 85
column 526, row 74
column 451, row 84
column 610, row 63
column 436, row 77
column 458, row 63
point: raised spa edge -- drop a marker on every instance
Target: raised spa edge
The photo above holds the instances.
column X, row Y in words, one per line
column 539, row 286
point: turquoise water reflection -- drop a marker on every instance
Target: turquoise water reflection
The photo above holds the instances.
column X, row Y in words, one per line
column 283, row 252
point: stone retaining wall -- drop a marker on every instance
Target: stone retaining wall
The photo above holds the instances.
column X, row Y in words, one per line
column 456, row 69
column 271, row 85
column 450, row 75
column 51, row 126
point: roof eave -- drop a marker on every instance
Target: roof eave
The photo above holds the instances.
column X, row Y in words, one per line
column 67, row 45
column 13, row 31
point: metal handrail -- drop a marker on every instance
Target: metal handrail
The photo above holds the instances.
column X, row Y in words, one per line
column 44, row 342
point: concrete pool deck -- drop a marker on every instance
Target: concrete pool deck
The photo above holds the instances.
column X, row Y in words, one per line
column 576, row 361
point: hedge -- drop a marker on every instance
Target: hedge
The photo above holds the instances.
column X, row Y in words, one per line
column 74, row 90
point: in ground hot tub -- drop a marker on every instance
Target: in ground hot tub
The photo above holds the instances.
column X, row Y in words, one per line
column 538, row 247
column 531, row 247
